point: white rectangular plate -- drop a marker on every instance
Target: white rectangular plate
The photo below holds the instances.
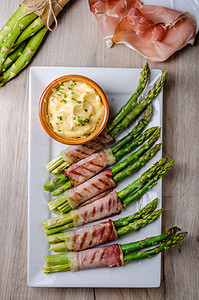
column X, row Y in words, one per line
column 118, row 85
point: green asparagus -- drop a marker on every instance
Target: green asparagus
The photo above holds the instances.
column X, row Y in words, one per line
column 8, row 43
column 115, row 169
column 14, row 56
column 137, row 215
column 35, row 26
column 152, row 94
column 55, row 182
column 148, row 242
column 54, row 163
column 146, row 117
column 144, row 76
column 12, row 22
column 152, row 252
column 149, row 184
column 61, row 189
column 142, row 179
column 25, row 57
column 139, row 223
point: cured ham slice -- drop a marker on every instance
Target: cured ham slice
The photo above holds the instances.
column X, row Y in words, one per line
column 155, row 41
column 90, row 166
column 101, row 208
column 97, row 197
column 75, row 153
column 87, row 237
column 109, row 14
column 156, row 32
column 103, row 257
column 91, row 188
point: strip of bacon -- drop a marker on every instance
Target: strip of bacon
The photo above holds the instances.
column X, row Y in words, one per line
column 101, row 208
column 87, row 237
column 90, row 166
column 103, row 257
column 91, row 188
column 75, row 153
column 97, row 197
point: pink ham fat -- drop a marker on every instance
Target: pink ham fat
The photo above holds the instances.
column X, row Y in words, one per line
column 101, row 208
column 75, row 153
column 102, row 195
column 103, row 257
column 91, row 236
column 91, row 188
column 90, row 166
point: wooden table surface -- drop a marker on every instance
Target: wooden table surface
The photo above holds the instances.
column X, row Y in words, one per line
column 78, row 42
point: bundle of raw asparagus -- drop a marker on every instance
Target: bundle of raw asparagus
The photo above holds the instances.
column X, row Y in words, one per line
column 21, row 36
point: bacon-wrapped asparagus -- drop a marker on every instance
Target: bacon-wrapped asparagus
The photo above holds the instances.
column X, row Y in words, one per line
column 108, row 178
column 105, row 232
column 65, row 159
column 86, row 168
column 111, row 204
column 114, row 255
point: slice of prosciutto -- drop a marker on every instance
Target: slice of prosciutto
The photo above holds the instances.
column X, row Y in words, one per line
column 109, row 14
column 90, row 166
column 102, row 208
column 103, row 257
column 156, row 32
column 154, row 40
column 87, row 237
column 90, row 188
column 75, row 153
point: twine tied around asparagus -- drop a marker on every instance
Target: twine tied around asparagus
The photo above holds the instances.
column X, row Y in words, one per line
column 40, row 7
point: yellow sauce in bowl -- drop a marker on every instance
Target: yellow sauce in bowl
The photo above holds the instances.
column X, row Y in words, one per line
column 74, row 109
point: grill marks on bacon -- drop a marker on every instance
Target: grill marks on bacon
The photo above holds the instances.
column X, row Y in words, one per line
column 91, row 188
column 156, row 32
column 92, row 165
column 101, row 208
column 103, row 257
column 75, row 153
column 97, row 197
column 104, row 206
